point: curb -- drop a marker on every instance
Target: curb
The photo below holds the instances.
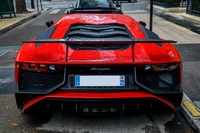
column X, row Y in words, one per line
column 170, row 10
column 194, row 19
column 178, row 12
column 20, row 22
column 190, row 112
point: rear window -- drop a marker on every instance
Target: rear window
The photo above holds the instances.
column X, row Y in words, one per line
column 94, row 3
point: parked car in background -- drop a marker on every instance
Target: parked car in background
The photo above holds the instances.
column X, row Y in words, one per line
column 94, row 6
column 119, row 1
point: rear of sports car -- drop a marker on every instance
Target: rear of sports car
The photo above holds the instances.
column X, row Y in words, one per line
column 98, row 67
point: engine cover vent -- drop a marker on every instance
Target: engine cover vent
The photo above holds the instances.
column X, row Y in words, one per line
column 105, row 32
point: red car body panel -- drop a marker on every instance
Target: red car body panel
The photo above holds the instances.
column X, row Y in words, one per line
column 142, row 53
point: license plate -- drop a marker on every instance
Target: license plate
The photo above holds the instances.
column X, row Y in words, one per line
column 96, row 80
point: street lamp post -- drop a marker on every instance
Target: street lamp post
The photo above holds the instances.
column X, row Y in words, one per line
column 151, row 15
column 32, row 4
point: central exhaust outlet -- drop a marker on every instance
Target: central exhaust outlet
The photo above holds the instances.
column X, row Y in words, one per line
column 100, row 109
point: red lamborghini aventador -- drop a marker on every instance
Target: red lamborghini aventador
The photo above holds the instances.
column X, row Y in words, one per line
column 99, row 61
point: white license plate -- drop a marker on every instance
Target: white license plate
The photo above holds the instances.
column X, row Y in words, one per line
column 96, row 80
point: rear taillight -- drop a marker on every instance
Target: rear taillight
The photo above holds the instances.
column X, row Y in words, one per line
column 40, row 67
column 157, row 67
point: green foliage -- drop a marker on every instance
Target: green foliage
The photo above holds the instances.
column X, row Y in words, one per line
column 172, row 3
column 196, row 5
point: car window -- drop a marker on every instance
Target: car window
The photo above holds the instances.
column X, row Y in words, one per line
column 94, row 3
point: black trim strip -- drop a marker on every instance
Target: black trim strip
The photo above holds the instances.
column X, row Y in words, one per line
column 149, row 34
column 46, row 34
column 96, row 34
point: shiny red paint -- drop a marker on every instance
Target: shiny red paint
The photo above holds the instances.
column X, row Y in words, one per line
column 46, row 53
column 97, row 96
column 16, row 72
column 58, row 53
column 100, row 55
column 153, row 52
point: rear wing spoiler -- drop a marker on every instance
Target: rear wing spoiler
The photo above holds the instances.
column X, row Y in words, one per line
column 110, row 41
column 40, row 41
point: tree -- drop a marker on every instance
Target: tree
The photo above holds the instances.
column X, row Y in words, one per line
column 20, row 6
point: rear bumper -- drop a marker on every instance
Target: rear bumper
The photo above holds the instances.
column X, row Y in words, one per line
column 170, row 100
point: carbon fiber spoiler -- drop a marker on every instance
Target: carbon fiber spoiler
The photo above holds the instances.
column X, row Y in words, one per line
column 110, row 41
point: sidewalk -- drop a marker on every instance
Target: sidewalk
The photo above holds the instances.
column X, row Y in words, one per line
column 179, row 13
column 7, row 23
column 166, row 29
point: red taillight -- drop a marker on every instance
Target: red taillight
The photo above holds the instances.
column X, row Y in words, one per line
column 43, row 68
column 32, row 67
column 24, row 66
column 40, row 67
column 158, row 67
column 165, row 67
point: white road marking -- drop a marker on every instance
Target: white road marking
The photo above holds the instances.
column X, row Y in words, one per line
column 55, row 11
column 66, row 11
column 134, row 11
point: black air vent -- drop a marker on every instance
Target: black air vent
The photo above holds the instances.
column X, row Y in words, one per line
column 160, row 82
column 99, row 47
column 38, row 83
column 98, row 33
